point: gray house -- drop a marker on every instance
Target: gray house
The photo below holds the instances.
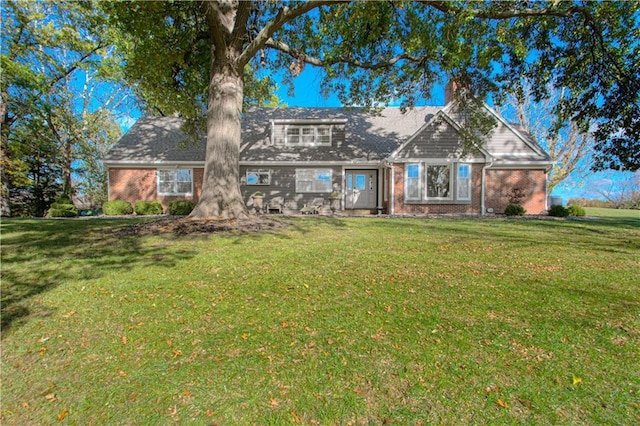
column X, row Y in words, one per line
column 392, row 162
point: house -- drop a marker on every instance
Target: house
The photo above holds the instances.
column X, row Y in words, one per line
column 392, row 162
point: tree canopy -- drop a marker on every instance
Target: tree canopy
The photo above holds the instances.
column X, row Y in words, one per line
column 207, row 59
column 59, row 102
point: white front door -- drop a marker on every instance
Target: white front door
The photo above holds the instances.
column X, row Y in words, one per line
column 362, row 188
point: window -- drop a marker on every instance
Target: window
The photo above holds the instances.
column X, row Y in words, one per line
column 464, row 182
column 412, row 182
column 258, row 177
column 313, row 180
column 308, row 135
column 175, row 182
column 439, row 181
column 323, row 135
column 293, row 136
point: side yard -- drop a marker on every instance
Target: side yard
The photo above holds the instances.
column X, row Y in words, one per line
column 326, row 321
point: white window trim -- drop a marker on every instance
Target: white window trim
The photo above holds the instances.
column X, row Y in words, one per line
column 451, row 182
column 419, row 178
column 173, row 193
column 258, row 172
column 317, row 171
column 300, row 136
column 469, row 179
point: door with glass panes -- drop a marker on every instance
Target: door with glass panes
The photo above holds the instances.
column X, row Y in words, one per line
column 362, row 189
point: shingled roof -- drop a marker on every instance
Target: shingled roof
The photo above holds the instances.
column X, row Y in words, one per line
column 368, row 137
column 156, row 140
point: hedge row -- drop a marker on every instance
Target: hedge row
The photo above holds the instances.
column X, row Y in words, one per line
column 123, row 208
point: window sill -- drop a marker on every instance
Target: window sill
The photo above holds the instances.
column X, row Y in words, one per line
column 438, row 202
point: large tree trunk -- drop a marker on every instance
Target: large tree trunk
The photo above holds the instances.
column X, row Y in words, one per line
column 221, row 197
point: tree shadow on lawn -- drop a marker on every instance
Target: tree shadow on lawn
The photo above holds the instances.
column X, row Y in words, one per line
column 40, row 255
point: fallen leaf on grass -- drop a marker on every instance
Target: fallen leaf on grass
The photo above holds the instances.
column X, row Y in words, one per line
column 296, row 417
column 576, row 380
column 50, row 397
column 274, row 402
column 63, row 414
column 502, row 404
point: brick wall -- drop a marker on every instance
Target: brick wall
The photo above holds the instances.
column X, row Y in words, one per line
column 500, row 183
column 498, row 187
column 134, row 185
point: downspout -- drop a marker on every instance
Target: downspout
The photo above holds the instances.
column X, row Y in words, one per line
column 108, row 184
column 392, row 200
column 482, row 186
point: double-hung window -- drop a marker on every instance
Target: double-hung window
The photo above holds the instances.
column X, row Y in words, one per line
column 464, row 182
column 258, row 177
column 175, row 182
column 313, row 180
column 308, row 135
column 413, row 182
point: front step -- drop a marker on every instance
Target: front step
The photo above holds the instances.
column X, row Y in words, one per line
column 359, row 212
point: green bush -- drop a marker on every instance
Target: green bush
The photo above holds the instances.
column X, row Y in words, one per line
column 180, row 207
column 576, row 211
column 514, row 210
column 117, row 208
column 148, row 207
column 63, row 210
column 63, row 207
column 558, row 211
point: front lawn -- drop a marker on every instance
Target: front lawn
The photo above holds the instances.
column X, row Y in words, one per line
column 327, row 321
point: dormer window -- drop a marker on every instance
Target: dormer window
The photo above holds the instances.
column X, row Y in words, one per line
column 308, row 135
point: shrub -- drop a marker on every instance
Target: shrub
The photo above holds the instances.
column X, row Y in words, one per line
column 63, row 210
column 63, row 207
column 576, row 211
column 514, row 210
column 117, row 208
column 180, row 207
column 558, row 211
column 148, row 207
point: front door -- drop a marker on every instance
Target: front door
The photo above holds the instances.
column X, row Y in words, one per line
column 362, row 188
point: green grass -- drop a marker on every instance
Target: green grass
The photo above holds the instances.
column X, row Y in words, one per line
column 329, row 321
column 612, row 213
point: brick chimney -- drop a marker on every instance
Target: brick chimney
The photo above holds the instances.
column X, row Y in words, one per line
column 449, row 91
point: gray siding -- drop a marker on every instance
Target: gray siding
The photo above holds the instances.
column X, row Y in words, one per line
column 437, row 140
column 504, row 142
column 283, row 184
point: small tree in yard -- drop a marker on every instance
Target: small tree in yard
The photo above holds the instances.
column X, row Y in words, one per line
column 222, row 52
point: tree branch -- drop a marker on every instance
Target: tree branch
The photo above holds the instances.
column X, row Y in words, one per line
column 285, row 48
column 453, row 9
column 240, row 27
column 284, row 15
column 75, row 65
